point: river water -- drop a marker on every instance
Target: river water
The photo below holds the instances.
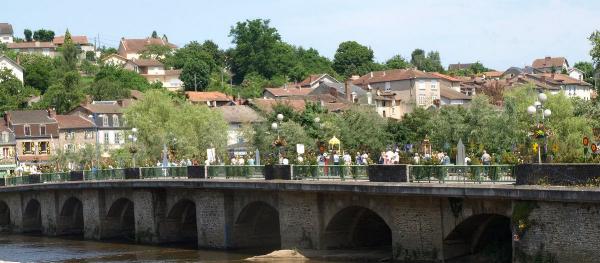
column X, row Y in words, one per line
column 19, row 248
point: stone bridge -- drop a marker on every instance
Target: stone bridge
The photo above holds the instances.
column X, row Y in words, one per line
column 424, row 222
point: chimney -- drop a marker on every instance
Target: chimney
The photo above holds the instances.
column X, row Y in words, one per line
column 355, row 77
column 347, row 90
column 37, row 43
column 547, row 58
column 384, row 73
column 51, row 113
column 120, row 103
column 371, row 74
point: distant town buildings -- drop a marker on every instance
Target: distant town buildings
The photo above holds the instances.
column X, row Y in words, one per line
column 6, row 33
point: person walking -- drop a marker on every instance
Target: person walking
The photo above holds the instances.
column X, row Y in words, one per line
column 486, row 159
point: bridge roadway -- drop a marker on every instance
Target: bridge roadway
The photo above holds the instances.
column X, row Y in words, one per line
column 415, row 221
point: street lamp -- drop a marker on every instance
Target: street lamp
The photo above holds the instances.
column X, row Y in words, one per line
column 540, row 114
column 133, row 138
column 278, row 142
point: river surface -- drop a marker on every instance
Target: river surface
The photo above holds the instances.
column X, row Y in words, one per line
column 19, row 248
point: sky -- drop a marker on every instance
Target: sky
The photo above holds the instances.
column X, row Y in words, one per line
column 499, row 33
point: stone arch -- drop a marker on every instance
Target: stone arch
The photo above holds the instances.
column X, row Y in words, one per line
column 487, row 233
column 4, row 216
column 357, row 227
column 257, row 226
column 181, row 226
column 32, row 217
column 70, row 220
column 120, row 220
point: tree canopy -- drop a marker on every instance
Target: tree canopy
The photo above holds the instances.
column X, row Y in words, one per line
column 352, row 58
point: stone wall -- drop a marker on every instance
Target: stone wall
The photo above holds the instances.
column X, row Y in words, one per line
column 560, row 232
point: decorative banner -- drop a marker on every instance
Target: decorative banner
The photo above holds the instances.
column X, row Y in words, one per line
column 300, row 148
column 586, row 141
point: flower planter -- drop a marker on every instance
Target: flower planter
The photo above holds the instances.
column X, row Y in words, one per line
column 557, row 174
column 32, row 179
column 132, row 173
column 387, row 173
column 196, row 172
column 278, row 172
column 76, row 176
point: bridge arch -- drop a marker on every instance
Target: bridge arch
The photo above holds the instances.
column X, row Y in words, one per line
column 181, row 224
column 120, row 220
column 70, row 220
column 4, row 215
column 257, row 226
column 482, row 235
column 357, row 227
column 32, row 217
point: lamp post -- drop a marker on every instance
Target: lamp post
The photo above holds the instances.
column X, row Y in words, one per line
column 133, row 138
column 540, row 114
column 275, row 126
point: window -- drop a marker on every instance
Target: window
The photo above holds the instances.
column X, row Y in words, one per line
column 421, row 99
column 105, row 121
column 89, row 134
column 421, row 84
column 69, row 148
column 43, row 148
column 4, row 136
column 28, row 148
column 27, row 130
column 433, row 84
column 69, row 135
column 433, row 98
column 118, row 138
column 106, row 138
column 42, row 129
column 115, row 120
column 5, row 152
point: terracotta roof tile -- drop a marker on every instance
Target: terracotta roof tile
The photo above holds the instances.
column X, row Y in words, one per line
column 73, row 122
column 138, row 45
column 449, row 93
column 6, row 28
column 35, row 44
column 393, row 75
column 289, row 91
column 202, row 96
column 446, row 77
column 81, row 40
column 549, row 62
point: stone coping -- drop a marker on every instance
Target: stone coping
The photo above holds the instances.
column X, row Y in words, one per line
column 493, row 191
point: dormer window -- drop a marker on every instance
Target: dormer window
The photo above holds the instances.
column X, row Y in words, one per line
column 115, row 120
column 105, row 121
column 27, row 130
column 42, row 130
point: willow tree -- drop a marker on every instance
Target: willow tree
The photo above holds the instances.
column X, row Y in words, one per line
column 186, row 130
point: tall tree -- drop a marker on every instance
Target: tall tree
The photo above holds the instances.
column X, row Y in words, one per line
column 195, row 75
column 43, row 35
column 595, row 51
column 352, row 58
column 13, row 95
column 430, row 62
column 70, row 52
column 397, row 62
column 64, row 95
column 155, row 51
column 256, row 44
column 28, row 35
column 38, row 70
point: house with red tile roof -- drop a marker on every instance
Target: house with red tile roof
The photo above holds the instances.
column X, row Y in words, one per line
column 132, row 48
column 6, row 33
column 551, row 64
column 34, row 47
column 210, row 98
column 81, row 41
column 75, row 132
column 36, row 135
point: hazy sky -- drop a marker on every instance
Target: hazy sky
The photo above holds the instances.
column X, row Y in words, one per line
column 497, row 33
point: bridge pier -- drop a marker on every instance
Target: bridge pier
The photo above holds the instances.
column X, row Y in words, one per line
column 299, row 220
column 93, row 209
column 214, row 219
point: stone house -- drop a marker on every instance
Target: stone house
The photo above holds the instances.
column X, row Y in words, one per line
column 81, row 41
column 14, row 67
column 36, row 134
column 35, row 47
column 410, row 88
column 551, row 64
column 6, row 33
column 74, row 132
column 107, row 117
column 7, row 150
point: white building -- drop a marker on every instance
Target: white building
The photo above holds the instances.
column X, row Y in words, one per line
column 6, row 33
column 16, row 69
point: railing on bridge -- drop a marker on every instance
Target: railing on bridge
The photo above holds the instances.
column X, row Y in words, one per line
column 416, row 173
column 330, row 172
column 462, row 173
